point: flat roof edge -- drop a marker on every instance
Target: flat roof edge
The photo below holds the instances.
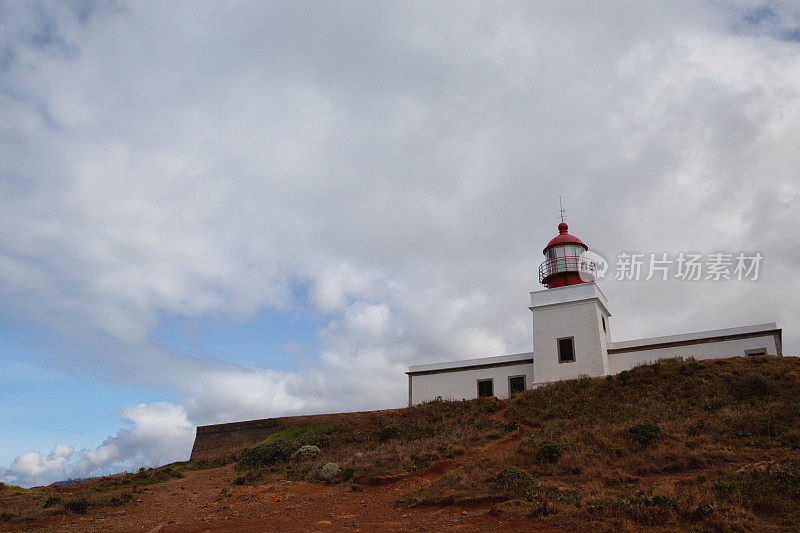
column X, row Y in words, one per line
column 769, row 328
column 471, row 363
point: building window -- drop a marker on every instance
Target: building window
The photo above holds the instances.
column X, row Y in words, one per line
column 485, row 388
column 603, row 319
column 566, row 350
column 757, row 351
column 516, row 384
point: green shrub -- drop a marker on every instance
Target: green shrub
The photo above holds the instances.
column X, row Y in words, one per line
column 51, row 501
column 147, row 476
column 624, row 376
column 169, row 471
column 420, row 460
column 512, row 426
column 540, row 506
column 516, row 480
column 645, row 433
column 315, row 438
column 77, row 506
column 634, row 505
column 752, row 384
column 521, row 483
column 269, row 453
column 703, row 510
column 388, row 432
column 121, row 499
column 547, row 452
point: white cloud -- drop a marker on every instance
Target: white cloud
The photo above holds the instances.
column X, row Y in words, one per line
column 189, row 161
column 33, row 467
column 161, row 433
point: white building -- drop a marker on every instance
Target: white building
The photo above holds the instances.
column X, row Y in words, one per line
column 572, row 338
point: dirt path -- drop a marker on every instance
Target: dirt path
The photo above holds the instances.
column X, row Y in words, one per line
column 298, row 506
column 206, row 500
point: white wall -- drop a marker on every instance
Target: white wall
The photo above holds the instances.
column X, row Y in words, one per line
column 712, row 350
column 463, row 384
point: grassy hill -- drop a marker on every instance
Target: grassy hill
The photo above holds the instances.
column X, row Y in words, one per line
column 712, row 445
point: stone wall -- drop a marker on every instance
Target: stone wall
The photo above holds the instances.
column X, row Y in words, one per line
column 217, row 439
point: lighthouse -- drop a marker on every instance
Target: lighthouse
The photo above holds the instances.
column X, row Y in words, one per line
column 572, row 337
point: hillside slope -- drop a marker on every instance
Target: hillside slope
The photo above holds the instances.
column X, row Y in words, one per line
column 712, row 445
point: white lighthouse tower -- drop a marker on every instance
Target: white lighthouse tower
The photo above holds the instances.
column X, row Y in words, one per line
column 571, row 317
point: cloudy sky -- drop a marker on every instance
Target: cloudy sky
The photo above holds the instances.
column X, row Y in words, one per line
column 220, row 211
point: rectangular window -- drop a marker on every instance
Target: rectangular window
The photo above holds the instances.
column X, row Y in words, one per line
column 566, row 350
column 516, row 384
column 757, row 351
column 485, row 388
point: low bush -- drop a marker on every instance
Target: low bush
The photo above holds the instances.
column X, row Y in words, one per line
column 329, row 471
column 79, row 506
column 268, row 453
column 121, row 499
column 315, row 438
column 752, row 384
column 307, row 451
column 642, row 507
column 542, row 497
column 516, row 480
column 547, row 452
column 147, row 476
column 645, row 433
column 51, row 501
column 388, row 432
column 420, row 460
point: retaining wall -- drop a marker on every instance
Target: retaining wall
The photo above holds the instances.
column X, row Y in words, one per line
column 217, row 439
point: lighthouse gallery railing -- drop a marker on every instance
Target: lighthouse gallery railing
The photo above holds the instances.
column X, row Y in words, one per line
column 571, row 263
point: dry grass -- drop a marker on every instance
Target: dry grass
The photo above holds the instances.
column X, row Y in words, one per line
column 370, row 446
column 714, row 420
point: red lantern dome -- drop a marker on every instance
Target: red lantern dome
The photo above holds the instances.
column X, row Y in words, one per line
column 563, row 238
column 563, row 264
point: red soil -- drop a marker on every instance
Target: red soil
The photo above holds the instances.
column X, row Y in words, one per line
column 207, row 500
